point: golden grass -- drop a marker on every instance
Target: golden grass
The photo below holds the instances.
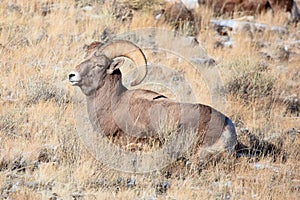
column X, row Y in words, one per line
column 36, row 112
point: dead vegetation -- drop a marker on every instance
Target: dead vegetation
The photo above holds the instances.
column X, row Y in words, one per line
column 42, row 156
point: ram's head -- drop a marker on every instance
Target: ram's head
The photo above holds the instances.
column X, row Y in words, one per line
column 103, row 62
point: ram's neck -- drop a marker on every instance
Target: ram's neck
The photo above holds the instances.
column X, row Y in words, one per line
column 102, row 103
column 110, row 91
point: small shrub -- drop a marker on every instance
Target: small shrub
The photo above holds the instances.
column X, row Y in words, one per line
column 38, row 90
column 251, row 84
column 140, row 4
column 8, row 124
column 292, row 104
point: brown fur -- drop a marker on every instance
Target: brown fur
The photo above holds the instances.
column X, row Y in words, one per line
column 118, row 111
column 138, row 116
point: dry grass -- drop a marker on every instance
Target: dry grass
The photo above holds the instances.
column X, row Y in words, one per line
column 42, row 157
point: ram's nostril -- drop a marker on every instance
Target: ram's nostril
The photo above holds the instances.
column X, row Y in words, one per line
column 71, row 75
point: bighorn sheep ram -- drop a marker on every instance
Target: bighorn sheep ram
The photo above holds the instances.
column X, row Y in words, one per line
column 118, row 111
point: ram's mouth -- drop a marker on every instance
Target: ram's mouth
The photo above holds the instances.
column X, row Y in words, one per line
column 74, row 83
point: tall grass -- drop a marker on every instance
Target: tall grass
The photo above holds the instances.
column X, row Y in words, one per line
column 42, row 157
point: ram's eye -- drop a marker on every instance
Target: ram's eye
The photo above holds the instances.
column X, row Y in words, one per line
column 96, row 66
column 100, row 66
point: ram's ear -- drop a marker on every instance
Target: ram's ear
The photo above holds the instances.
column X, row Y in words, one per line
column 116, row 64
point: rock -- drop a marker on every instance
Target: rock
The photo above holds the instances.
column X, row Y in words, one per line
column 13, row 7
column 131, row 182
column 190, row 4
column 244, row 130
column 77, row 195
column 242, row 26
column 55, row 196
column 162, row 187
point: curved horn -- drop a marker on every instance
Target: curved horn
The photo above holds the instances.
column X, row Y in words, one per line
column 117, row 48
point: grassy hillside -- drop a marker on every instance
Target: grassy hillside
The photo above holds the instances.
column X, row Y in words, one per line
column 42, row 156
